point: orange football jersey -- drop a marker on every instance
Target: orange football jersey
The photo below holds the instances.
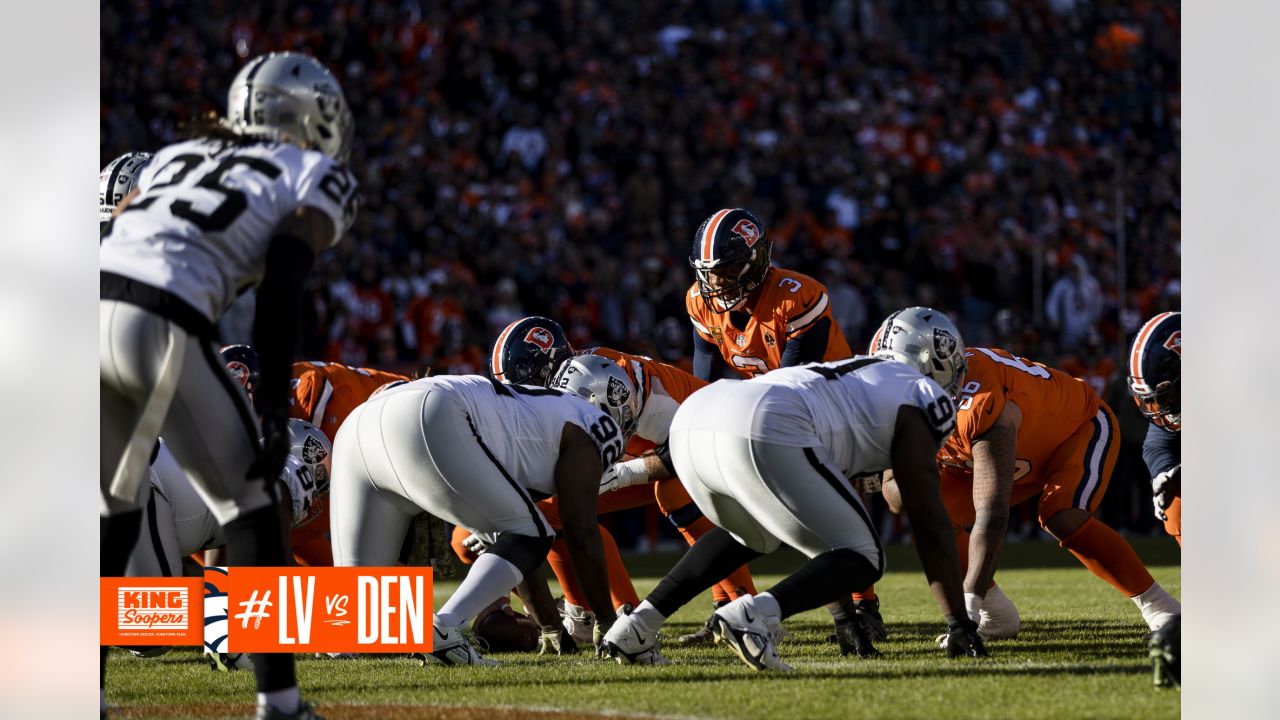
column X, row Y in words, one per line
column 662, row 388
column 324, row 394
column 1053, row 406
column 788, row 304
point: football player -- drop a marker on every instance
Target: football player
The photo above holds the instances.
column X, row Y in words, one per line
column 531, row 350
column 1022, row 430
column 750, row 318
column 115, row 182
column 477, row 453
column 1155, row 381
column 249, row 201
column 767, row 460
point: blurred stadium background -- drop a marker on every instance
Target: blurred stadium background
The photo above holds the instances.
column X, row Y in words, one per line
column 1012, row 162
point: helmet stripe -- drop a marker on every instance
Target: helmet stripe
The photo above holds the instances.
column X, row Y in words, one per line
column 709, row 237
column 1140, row 345
column 496, row 362
column 248, row 84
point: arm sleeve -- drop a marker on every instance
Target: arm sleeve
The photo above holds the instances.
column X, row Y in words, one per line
column 1161, row 450
column 708, row 364
column 811, row 346
column 277, row 319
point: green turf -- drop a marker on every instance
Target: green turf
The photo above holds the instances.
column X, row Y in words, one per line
column 1081, row 654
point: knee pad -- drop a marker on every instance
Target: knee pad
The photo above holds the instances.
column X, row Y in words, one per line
column 526, row 552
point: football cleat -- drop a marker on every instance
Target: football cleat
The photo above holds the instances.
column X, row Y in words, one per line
column 748, row 634
column 627, row 643
column 304, row 712
column 452, row 647
column 1165, row 650
column 577, row 620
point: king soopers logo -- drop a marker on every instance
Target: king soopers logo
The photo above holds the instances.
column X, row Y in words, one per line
column 152, row 608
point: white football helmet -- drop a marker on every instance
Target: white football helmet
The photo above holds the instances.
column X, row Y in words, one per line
column 928, row 341
column 602, row 383
column 313, row 448
column 118, row 179
column 290, row 94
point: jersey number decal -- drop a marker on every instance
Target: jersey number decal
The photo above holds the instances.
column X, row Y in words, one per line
column 605, row 432
column 790, row 283
column 233, row 201
column 1032, row 369
column 750, row 363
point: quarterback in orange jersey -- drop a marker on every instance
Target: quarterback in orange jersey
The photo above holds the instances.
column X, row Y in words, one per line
column 749, row 318
column 529, row 351
column 1022, row 429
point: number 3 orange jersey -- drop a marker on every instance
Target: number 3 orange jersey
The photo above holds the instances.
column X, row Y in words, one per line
column 789, row 304
column 1053, row 406
column 662, row 388
column 324, row 394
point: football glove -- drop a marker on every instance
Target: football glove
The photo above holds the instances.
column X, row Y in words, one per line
column 1164, row 488
column 554, row 640
column 476, row 544
column 597, row 638
column 623, row 474
column 962, row 638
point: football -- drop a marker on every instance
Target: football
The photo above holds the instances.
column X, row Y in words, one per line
column 499, row 628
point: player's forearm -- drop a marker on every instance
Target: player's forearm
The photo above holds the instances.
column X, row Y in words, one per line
column 993, row 465
column 936, row 546
column 537, row 598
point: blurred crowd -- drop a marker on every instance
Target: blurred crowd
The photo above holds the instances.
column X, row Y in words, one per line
column 1013, row 162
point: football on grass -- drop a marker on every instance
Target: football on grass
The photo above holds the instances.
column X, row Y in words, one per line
column 499, row 628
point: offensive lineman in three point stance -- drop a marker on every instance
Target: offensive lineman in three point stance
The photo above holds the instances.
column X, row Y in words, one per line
column 251, row 201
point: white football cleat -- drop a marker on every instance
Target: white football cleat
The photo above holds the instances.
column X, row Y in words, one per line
column 627, row 643
column 748, row 633
column 578, row 621
column 451, row 647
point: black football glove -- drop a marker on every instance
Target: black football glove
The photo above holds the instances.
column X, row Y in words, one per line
column 962, row 638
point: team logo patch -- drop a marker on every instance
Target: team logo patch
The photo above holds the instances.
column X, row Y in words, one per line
column 541, row 337
column 617, row 392
column 748, row 231
column 740, row 341
column 312, row 451
column 768, row 340
column 944, row 343
column 1174, row 342
column 239, row 372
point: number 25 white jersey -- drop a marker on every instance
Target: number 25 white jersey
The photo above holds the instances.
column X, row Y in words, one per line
column 206, row 212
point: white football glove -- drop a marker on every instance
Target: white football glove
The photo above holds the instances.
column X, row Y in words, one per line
column 477, row 544
column 996, row 615
column 623, row 474
column 1164, row 488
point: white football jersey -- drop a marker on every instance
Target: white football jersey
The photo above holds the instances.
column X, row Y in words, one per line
column 849, row 407
column 521, row 425
column 206, row 212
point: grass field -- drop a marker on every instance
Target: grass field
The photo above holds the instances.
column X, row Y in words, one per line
column 1080, row 654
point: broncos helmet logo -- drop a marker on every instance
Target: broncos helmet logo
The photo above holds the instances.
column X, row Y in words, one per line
column 1174, row 342
column 540, row 337
column 748, row 231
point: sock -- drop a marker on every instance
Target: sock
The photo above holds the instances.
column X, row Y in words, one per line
column 768, row 606
column 257, row 539
column 824, row 579
column 490, row 578
column 562, row 568
column 648, row 617
column 737, row 583
column 287, row 700
column 842, row 611
column 710, row 559
column 620, row 586
column 868, row 594
column 1109, row 556
column 1157, row 606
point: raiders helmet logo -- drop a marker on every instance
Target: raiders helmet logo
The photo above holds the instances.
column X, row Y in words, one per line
column 1174, row 342
column 541, row 337
column 312, row 451
column 944, row 343
column 617, row 393
column 748, row 231
column 239, row 372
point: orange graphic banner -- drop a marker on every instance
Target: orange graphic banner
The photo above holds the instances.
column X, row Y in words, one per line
column 150, row 611
column 328, row 609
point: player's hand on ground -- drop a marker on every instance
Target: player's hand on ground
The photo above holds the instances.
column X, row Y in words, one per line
column 962, row 639
column 597, row 637
column 1164, row 488
column 554, row 640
